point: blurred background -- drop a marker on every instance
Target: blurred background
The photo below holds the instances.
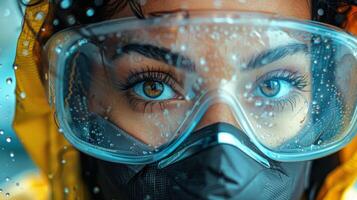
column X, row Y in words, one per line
column 14, row 161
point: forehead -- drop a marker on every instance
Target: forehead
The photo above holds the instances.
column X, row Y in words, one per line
column 287, row 8
column 214, row 40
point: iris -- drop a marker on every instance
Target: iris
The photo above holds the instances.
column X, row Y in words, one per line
column 153, row 89
column 270, row 88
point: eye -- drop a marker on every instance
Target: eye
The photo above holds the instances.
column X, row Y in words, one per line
column 275, row 88
column 153, row 90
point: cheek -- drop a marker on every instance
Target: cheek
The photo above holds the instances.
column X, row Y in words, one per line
column 289, row 125
column 153, row 127
column 275, row 126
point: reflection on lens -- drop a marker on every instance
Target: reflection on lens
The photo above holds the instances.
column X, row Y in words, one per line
column 134, row 90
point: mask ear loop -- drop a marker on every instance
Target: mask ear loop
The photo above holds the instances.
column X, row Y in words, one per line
column 307, row 175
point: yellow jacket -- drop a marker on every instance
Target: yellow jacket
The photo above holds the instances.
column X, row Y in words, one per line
column 58, row 160
column 35, row 125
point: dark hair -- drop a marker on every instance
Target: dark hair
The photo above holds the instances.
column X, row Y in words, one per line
column 333, row 12
column 328, row 11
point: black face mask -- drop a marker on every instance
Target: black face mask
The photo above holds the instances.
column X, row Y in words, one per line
column 202, row 168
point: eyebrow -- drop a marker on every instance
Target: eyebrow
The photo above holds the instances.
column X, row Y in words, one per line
column 182, row 62
column 271, row 55
column 160, row 54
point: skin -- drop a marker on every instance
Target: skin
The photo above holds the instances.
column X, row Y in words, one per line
column 287, row 8
column 121, row 112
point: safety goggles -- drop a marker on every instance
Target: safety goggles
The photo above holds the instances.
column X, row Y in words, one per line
column 131, row 91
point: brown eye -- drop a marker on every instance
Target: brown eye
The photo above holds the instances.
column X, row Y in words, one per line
column 270, row 88
column 153, row 89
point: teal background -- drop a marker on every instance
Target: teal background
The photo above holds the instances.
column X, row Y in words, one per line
column 14, row 161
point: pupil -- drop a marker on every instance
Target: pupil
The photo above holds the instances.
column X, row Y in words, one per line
column 153, row 89
column 270, row 88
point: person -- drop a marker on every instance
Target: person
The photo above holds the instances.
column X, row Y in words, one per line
column 193, row 100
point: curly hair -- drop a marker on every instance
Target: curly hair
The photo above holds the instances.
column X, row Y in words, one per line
column 328, row 11
column 333, row 12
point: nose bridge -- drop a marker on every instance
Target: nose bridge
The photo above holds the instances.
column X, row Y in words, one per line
column 220, row 109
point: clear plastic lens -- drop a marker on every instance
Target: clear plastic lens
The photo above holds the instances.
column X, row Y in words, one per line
column 136, row 91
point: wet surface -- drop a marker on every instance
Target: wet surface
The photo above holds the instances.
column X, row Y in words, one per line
column 14, row 160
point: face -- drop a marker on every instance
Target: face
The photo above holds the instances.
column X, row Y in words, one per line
column 151, row 97
column 156, row 83
column 288, row 8
column 158, row 79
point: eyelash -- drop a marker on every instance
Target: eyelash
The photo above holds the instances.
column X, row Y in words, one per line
column 153, row 74
column 147, row 74
column 297, row 80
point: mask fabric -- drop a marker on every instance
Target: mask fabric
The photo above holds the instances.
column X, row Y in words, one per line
column 218, row 171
